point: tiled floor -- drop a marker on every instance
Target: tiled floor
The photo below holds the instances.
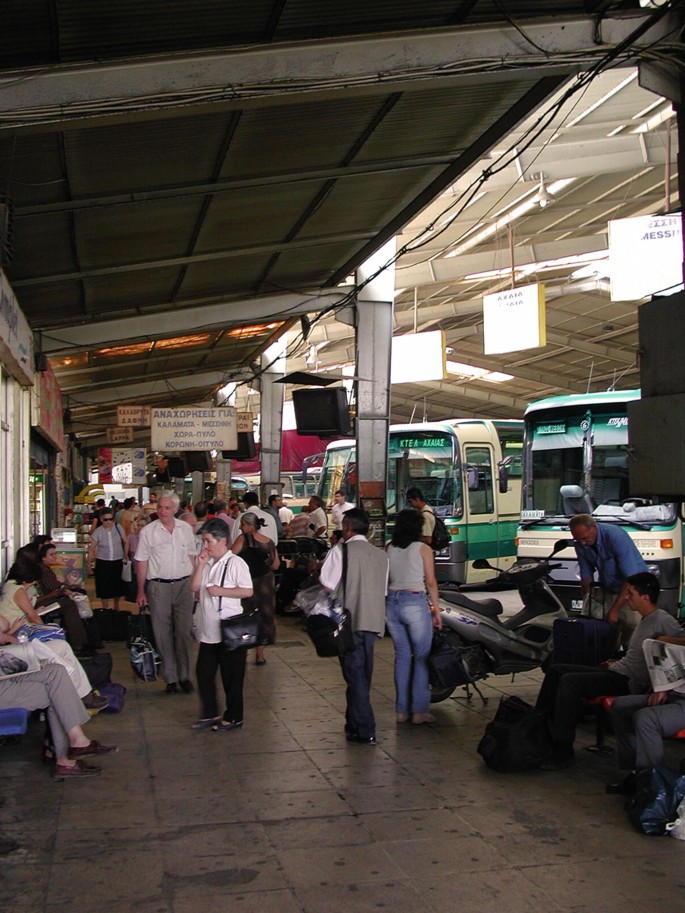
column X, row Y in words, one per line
column 284, row 816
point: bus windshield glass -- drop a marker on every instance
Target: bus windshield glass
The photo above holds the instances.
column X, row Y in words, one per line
column 425, row 459
column 578, row 464
column 338, row 472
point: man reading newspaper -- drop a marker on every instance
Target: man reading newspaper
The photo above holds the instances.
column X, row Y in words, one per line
column 643, row 721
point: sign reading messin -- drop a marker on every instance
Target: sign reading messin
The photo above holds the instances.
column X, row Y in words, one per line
column 194, row 428
column 133, row 416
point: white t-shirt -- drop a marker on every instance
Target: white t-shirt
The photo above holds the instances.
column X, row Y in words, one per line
column 211, row 609
column 317, row 519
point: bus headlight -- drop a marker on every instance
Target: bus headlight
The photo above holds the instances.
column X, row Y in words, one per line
column 653, row 569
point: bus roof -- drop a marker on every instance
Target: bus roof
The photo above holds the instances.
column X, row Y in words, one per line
column 448, row 426
column 583, row 399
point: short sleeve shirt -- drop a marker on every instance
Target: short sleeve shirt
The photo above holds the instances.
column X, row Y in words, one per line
column 614, row 556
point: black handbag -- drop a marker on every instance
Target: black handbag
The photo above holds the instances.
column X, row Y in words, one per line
column 240, row 632
column 332, row 636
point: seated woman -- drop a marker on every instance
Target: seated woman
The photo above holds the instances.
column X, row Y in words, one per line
column 52, row 590
column 51, row 687
column 260, row 555
column 16, row 610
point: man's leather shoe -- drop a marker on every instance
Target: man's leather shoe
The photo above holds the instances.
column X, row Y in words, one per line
column 623, row 787
column 171, row 688
column 361, row 739
column 187, row 686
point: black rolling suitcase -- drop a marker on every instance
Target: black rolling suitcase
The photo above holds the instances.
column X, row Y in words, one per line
column 581, row 641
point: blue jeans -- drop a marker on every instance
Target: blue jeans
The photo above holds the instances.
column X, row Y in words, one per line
column 409, row 622
column 357, row 670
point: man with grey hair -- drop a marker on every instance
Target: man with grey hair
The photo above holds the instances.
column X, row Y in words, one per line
column 165, row 560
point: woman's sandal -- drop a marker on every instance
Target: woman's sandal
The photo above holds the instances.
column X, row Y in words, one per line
column 227, row 727
column 260, row 662
column 206, row 723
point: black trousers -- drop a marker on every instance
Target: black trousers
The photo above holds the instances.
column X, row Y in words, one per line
column 232, row 667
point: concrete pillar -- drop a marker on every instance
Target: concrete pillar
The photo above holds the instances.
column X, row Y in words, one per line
column 271, row 423
column 373, row 345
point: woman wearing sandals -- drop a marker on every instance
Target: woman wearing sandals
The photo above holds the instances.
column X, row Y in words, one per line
column 221, row 580
column 412, row 595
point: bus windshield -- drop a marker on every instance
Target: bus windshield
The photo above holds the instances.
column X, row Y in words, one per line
column 578, row 463
column 427, row 460
column 338, row 472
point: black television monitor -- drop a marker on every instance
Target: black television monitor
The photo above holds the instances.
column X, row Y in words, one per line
column 323, row 412
column 246, row 449
column 198, row 461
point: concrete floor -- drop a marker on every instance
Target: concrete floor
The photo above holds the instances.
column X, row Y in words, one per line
column 284, row 816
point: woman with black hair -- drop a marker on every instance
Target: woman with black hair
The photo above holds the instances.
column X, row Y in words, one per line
column 411, row 614
column 220, row 580
column 260, row 555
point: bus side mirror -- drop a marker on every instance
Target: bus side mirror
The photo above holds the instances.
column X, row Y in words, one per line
column 503, row 474
column 503, row 477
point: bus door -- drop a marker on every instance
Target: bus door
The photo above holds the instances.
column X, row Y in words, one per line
column 482, row 529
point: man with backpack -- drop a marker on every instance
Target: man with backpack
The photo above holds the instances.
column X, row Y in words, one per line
column 415, row 499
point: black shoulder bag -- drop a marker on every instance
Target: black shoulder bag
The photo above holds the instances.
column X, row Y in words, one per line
column 240, row 632
column 330, row 636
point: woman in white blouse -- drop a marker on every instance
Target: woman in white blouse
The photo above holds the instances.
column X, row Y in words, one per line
column 108, row 548
column 220, row 579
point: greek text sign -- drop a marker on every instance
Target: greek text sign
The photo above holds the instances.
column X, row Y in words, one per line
column 514, row 319
column 119, row 435
column 194, row 428
column 133, row 416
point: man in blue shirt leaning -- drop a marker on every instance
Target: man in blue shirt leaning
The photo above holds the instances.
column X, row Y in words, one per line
column 608, row 550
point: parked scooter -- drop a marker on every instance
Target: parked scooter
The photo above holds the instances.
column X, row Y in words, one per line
column 491, row 646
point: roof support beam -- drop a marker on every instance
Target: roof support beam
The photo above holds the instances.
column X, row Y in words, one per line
column 54, row 97
column 187, row 320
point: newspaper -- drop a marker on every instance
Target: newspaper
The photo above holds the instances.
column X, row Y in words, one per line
column 666, row 665
column 17, row 659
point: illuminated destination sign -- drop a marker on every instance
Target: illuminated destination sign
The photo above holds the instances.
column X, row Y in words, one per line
column 419, row 442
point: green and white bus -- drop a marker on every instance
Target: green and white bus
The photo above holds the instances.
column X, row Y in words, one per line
column 576, row 460
column 469, row 471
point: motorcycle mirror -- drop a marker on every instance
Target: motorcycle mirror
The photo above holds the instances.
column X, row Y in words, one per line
column 561, row 544
column 482, row 564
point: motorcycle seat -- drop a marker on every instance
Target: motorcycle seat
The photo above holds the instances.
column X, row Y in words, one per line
column 490, row 608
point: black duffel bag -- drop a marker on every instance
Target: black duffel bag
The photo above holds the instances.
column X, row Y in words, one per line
column 446, row 667
column 517, row 739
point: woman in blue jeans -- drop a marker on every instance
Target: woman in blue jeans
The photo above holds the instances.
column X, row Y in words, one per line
column 411, row 614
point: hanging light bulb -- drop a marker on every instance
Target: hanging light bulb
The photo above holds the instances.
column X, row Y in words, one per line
column 544, row 197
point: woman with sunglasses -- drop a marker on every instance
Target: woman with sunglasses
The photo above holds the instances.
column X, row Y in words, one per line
column 108, row 547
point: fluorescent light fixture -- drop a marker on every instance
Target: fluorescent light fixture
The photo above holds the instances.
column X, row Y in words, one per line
column 530, row 202
column 656, row 120
column 539, row 266
column 600, row 101
column 463, row 370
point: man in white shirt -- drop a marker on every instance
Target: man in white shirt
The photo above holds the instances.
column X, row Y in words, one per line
column 318, row 521
column 340, row 506
column 251, row 502
column 165, row 560
column 361, row 590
